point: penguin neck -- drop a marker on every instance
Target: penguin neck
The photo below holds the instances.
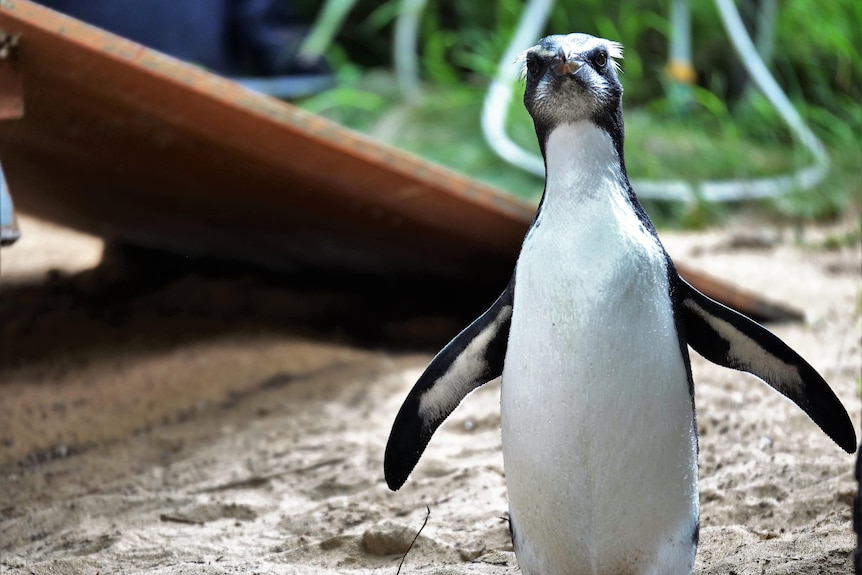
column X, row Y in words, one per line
column 590, row 216
column 587, row 192
column 583, row 162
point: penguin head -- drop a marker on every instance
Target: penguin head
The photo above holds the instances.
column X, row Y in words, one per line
column 573, row 78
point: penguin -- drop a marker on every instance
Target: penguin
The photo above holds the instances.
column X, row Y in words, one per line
column 591, row 339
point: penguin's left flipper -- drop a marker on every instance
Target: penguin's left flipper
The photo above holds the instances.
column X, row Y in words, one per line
column 731, row 339
column 473, row 358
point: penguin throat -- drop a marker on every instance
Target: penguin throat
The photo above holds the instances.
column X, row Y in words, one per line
column 581, row 162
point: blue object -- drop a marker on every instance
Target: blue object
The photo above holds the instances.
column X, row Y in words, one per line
column 8, row 225
column 286, row 87
column 230, row 37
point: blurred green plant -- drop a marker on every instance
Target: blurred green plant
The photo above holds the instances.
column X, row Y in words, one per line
column 728, row 132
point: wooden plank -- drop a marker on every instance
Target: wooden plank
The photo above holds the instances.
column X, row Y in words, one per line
column 123, row 142
column 130, row 144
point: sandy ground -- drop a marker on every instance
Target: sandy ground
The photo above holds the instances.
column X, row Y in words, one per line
column 201, row 422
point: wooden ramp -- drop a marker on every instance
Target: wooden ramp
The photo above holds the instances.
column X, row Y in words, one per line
column 112, row 138
column 104, row 135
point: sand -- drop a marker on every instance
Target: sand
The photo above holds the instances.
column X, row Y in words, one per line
column 201, row 421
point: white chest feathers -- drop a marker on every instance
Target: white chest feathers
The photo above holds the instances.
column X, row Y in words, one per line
column 598, row 428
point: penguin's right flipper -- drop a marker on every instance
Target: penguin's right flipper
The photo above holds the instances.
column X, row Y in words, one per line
column 733, row 340
column 473, row 358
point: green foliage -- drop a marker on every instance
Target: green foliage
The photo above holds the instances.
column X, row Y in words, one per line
column 728, row 130
column 820, row 43
column 357, row 100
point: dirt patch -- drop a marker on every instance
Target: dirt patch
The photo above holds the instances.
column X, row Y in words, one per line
column 205, row 423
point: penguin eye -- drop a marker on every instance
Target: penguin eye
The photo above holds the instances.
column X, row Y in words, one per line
column 534, row 66
column 600, row 60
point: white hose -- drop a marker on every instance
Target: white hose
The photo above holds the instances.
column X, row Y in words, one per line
column 406, row 47
column 529, row 28
column 500, row 91
column 759, row 73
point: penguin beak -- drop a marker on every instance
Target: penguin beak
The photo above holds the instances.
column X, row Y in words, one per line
column 565, row 65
